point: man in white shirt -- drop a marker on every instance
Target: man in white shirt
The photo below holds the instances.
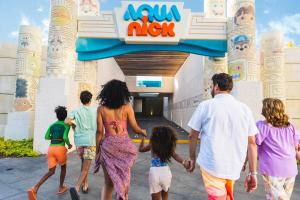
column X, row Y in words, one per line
column 226, row 129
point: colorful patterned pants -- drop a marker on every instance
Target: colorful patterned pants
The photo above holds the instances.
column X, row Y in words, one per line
column 278, row 188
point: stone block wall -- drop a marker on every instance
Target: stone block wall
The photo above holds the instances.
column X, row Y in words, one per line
column 7, row 82
column 292, row 74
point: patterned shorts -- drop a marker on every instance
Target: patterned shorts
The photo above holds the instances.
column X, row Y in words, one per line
column 86, row 153
column 217, row 188
column 278, row 188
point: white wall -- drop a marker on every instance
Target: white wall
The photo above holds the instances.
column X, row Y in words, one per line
column 109, row 69
column 188, row 83
column 292, row 66
column 7, row 81
column 167, row 85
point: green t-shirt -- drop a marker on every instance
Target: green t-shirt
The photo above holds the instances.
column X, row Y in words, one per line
column 85, row 118
column 58, row 133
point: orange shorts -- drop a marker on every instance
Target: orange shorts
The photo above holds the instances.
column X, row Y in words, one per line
column 57, row 155
column 217, row 188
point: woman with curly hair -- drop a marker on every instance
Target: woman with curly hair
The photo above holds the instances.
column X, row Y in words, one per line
column 162, row 146
column 115, row 150
column 277, row 145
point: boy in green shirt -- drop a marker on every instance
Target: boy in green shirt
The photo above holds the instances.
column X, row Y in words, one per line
column 57, row 133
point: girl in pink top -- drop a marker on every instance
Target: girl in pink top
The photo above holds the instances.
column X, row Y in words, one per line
column 277, row 145
column 115, row 150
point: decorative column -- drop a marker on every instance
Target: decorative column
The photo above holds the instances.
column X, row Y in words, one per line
column 213, row 9
column 62, row 38
column 86, row 71
column 28, row 68
column 86, row 77
column 242, row 62
column 57, row 88
column 272, row 63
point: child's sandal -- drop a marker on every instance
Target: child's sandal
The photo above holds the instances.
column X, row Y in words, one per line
column 62, row 190
column 31, row 194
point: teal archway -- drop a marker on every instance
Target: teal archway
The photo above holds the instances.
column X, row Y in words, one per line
column 94, row 48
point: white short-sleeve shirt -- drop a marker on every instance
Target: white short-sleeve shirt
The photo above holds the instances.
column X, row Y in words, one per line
column 224, row 124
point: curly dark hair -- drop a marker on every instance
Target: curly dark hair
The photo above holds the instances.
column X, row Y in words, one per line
column 61, row 113
column 86, row 97
column 114, row 94
column 163, row 142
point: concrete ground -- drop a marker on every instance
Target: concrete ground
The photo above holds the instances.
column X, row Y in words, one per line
column 149, row 122
column 19, row 174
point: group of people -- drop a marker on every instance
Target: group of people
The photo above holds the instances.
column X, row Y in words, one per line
column 230, row 140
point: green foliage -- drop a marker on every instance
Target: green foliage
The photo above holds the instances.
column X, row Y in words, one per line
column 10, row 148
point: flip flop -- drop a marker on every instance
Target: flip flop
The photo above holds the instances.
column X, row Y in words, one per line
column 74, row 194
column 63, row 190
column 31, row 194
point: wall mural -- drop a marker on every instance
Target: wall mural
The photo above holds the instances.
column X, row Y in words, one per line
column 216, row 8
column 28, row 68
column 89, row 7
column 22, row 103
column 241, row 42
column 62, row 37
column 55, row 49
column 244, row 15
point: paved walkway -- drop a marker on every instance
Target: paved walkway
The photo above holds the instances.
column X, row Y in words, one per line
column 17, row 175
column 149, row 122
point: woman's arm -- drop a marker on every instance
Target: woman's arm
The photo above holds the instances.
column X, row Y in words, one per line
column 143, row 148
column 133, row 123
column 100, row 131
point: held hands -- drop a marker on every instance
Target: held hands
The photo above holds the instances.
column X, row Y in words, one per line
column 189, row 165
column 144, row 133
column 186, row 164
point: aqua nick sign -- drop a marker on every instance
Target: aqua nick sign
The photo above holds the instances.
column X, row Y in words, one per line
column 158, row 22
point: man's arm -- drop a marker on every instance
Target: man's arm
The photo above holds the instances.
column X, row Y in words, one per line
column 251, row 179
column 194, row 135
column 252, row 154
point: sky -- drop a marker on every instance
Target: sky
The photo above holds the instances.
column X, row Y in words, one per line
column 270, row 14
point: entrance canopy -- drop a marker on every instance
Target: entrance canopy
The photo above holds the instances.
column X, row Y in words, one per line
column 150, row 26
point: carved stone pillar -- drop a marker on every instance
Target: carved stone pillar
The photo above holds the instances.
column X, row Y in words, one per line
column 213, row 9
column 28, row 70
column 241, row 42
column 86, row 71
column 272, row 63
column 62, row 38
